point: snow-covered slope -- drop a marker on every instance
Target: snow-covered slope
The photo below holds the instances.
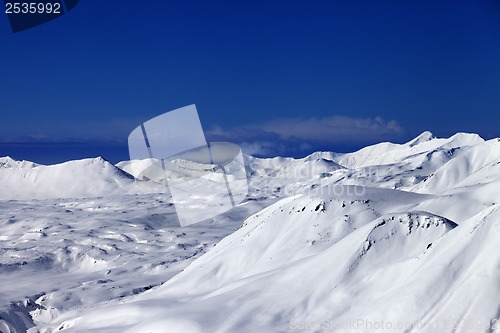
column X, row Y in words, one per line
column 394, row 237
column 308, row 260
column 83, row 178
column 389, row 153
column 7, row 162
column 471, row 165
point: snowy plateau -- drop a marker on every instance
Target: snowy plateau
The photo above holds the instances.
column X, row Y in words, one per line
column 390, row 238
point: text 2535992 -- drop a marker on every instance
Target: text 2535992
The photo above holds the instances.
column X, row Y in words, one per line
column 32, row 8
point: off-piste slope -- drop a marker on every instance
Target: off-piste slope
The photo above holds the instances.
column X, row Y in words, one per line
column 429, row 166
column 73, row 179
column 281, row 177
column 349, row 258
column 410, row 167
column 470, row 165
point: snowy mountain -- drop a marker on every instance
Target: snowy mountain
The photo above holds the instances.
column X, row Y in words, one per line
column 389, row 153
column 398, row 237
column 7, row 162
column 83, row 178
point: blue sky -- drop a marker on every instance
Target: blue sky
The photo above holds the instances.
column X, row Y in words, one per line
column 278, row 77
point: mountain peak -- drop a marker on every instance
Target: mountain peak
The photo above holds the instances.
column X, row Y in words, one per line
column 424, row 137
column 7, row 162
column 467, row 138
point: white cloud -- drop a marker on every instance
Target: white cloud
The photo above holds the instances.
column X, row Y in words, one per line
column 261, row 148
column 333, row 129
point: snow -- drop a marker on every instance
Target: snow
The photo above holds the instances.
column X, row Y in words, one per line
column 82, row 178
column 398, row 237
column 424, row 137
column 7, row 162
column 388, row 153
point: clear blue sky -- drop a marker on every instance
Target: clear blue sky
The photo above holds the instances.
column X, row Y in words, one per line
column 280, row 77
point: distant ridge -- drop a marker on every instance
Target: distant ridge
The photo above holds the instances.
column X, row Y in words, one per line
column 72, row 179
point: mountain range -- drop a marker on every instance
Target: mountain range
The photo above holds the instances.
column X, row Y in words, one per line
column 399, row 237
